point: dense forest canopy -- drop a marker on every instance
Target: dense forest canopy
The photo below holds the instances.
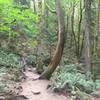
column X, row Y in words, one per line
column 60, row 38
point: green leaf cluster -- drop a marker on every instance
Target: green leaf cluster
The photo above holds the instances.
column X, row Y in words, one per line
column 15, row 19
column 69, row 77
column 9, row 60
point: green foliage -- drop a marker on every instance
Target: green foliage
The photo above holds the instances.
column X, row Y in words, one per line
column 8, row 76
column 5, row 1
column 31, row 59
column 16, row 20
column 3, row 71
column 42, row 61
column 69, row 77
column 18, row 27
column 50, row 38
column 9, row 59
column 80, row 95
column 97, row 84
column 3, row 87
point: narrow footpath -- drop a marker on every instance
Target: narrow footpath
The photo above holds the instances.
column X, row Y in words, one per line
column 37, row 89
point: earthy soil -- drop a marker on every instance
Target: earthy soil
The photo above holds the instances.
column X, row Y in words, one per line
column 37, row 89
column 32, row 89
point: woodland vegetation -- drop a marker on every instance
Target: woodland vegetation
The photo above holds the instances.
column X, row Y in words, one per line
column 60, row 38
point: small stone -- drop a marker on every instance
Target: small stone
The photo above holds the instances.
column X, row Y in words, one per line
column 2, row 98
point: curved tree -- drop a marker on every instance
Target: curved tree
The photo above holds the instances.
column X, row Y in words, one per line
column 60, row 44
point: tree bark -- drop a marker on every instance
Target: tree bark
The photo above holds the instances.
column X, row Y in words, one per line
column 60, row 44
column 87, row 45
column 98, row 23
column 79, row 44
column 34, row 6
column 72, row 27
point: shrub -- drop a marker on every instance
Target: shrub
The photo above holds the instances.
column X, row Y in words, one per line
column 9, row 59
column 17, row 21
column 68, row 77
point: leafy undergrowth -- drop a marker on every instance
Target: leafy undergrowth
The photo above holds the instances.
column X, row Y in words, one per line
column 9, row 59
column 10, row 84
column 69, row 78
column 3, row 87
column 9, row 81
column 10, row 71
column 10, row 78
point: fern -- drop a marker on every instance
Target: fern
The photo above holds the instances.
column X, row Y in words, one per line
column 68, row 77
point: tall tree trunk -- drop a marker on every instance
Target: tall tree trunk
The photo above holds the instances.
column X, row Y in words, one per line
column 72, row 27
column 60, row 45
column 79, row 44
column 39, row 7
column 98, row 24
column 34, row 6
column 87, row 45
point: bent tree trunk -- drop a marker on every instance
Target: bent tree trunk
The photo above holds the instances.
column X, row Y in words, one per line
column 60, row 45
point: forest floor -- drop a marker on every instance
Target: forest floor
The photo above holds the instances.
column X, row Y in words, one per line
column 37, row 89
column 31, row 89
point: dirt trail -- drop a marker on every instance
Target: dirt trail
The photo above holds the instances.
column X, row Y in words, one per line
column 39, row 87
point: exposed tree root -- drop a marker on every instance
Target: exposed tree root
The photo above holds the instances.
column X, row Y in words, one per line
column 46, row 75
